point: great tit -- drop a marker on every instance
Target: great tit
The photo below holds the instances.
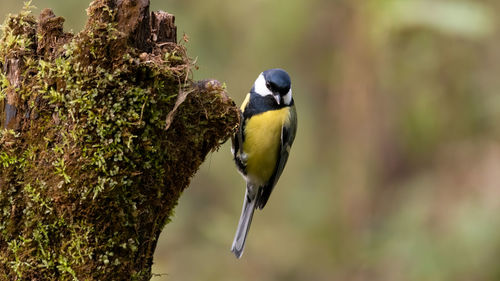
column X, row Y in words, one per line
column 262, row 143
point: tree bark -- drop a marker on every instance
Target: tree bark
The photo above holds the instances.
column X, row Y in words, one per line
column 100, row 133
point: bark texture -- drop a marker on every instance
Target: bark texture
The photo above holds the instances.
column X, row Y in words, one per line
column 100, row 132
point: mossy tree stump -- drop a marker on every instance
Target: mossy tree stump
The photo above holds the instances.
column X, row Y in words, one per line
column 100, row 134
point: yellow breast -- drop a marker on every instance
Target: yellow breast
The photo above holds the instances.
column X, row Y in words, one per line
column 262, row 142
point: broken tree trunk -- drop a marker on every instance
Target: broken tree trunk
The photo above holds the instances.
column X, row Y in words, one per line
column 100, row 133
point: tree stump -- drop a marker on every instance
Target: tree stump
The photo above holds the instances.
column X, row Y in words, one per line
column 100, row 132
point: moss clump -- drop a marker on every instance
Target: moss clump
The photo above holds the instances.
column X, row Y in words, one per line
column 89, row 171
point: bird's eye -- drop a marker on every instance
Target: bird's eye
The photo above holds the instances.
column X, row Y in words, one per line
column 271, row 86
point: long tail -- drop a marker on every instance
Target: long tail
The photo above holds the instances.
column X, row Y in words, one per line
column 243, row 225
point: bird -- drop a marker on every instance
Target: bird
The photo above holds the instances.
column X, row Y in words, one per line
column 262, row 143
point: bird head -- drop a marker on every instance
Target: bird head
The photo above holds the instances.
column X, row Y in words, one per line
column 276, row 83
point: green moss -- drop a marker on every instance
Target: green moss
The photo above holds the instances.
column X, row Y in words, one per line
column 91, row 175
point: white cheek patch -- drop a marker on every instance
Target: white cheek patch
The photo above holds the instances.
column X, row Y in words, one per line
column 260, row 86
column 287, row 99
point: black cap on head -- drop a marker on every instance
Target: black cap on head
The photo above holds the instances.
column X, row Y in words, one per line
column 278, row 81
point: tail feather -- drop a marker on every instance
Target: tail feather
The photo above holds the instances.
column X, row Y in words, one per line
column 243, row 225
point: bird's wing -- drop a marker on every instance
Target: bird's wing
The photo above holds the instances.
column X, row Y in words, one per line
column 237, row 145
column 288, row 132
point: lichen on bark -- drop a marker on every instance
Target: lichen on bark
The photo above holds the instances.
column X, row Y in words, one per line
column 100, row 133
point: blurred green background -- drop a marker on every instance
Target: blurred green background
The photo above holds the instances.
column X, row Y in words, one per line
column 395, row 172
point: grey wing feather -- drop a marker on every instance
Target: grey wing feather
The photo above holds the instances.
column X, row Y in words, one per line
column 287, row 138
column 237, row 149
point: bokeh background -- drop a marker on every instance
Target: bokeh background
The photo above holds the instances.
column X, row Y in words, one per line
column 395, row 172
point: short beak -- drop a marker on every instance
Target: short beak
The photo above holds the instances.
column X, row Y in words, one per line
column 277, row 98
